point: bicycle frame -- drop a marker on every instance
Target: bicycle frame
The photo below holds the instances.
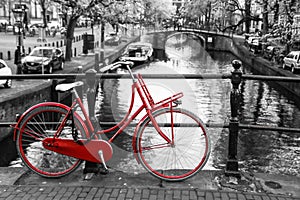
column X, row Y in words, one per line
column 76, row 149
column 148, row 105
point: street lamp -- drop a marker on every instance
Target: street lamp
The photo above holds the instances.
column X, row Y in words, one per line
column 19, row 16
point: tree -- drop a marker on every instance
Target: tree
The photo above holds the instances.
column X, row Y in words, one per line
column 247, row 15
column 45, row 4
column 196, row 9
column 265, row 17
column 72, row 10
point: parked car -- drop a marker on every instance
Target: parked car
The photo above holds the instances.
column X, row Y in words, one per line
column 292, row 61
column 34, row 29
column 138, row 52
column 254, row 43
column 279, row 54
column 274, row 53
column 49, row 58
column 5, row 70
column 112, row 39
column 3, row 25
column 295, row 46
column 9, row 28
column 269, row 52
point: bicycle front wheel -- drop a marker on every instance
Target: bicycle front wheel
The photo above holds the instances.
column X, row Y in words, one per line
column 181, row 159
column 38, row 124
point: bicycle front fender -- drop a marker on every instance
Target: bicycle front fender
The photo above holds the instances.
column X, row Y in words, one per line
column 134, row 137
column 55, row 104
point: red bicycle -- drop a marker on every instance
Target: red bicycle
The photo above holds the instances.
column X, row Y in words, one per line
column 170, row 142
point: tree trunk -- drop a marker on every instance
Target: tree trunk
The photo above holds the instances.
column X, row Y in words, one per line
column 247, row 15
column 207, row 16
column 276, row 12
column 70, row 37
column 265, row 18
column 44, row 14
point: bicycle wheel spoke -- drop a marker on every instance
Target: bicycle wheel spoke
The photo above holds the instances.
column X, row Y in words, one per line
column 157, row 146
column 40, row 123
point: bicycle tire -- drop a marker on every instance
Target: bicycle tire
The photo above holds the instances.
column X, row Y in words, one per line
column 34, row 127
column 176, row 162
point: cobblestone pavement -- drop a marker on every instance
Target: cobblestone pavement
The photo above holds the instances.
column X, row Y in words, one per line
column 63, row 192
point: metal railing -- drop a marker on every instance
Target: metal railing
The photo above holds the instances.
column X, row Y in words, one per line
column 234, row 125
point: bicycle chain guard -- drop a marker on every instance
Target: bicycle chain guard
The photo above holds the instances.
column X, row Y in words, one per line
column 89, row 151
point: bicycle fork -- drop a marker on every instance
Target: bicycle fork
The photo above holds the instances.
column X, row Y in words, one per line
column 158, row 129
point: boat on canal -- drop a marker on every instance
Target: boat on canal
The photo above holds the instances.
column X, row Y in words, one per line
column 138, row 52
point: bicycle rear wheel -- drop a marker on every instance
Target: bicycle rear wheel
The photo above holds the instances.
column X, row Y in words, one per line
column 38, row 124
column 178, row 161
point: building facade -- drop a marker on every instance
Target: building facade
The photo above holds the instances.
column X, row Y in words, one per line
column 33, row 11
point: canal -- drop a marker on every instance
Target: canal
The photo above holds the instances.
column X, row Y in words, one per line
column 262, row 103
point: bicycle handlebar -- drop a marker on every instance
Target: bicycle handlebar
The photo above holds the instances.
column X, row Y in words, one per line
column 115, row 65
column 128, row 64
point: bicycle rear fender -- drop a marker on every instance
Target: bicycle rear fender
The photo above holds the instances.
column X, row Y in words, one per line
column 55, row 104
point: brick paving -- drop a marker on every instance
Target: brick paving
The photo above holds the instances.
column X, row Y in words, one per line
column 81, row 192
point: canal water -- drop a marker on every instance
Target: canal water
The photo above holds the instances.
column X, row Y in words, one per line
column 261, row 104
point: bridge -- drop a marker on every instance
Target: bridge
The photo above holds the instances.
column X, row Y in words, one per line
column 209, row 40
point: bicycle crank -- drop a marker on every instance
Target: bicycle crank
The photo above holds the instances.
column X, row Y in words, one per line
column 89, row 151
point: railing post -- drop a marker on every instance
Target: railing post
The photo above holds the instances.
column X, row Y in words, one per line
column 232, row 162
column 54, row 93
column 90, row 75
column 80, row 88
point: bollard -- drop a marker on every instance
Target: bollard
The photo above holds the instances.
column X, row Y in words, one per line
column 90, row 75
column 80, row 88
column 54, row 93
column 53, row 44
column 75, row 52
column 1, row 55
column 57, row 44
column 8, row 55
column 61, row 43
column 29, row 49
column 232, row 162
column 97, row 62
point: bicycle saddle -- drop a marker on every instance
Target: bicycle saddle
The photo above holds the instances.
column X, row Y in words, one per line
column 68, row 86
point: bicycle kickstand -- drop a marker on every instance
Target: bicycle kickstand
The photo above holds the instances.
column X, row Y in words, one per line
column 100, row 152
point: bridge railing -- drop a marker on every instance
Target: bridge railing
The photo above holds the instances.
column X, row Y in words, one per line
column 234, row 124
